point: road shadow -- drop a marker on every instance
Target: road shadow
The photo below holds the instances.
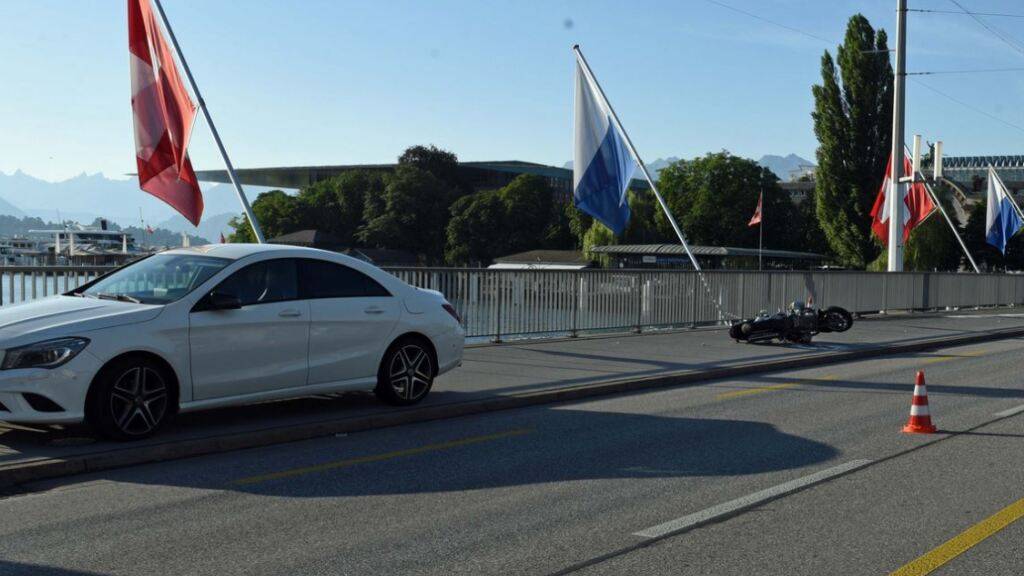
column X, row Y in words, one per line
column 543, row 446
column 23, row 569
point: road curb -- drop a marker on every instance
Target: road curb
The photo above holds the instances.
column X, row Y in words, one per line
column 41, row 469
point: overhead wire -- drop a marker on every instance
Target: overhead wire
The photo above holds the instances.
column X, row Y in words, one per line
column 995, row 31
column 953, row 99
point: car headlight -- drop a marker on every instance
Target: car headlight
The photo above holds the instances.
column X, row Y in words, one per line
column 48, row 354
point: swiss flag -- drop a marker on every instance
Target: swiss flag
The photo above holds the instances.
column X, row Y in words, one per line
column 918, row 203
column 756, row 218
column 163, row 115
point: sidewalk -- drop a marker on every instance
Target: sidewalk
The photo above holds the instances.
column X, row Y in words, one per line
column 492, row 377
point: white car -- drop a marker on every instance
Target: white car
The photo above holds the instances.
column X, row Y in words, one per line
column 221, row 325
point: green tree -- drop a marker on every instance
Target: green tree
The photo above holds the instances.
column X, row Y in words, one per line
column 932, row 245
column 852, row 120
column 477, row 230
column 713, row 198
column 415, row 214
column 597, row 235
column 444, row 165
column 528, row 209
column 277, row 213
column 579, row 223
column 336, row 205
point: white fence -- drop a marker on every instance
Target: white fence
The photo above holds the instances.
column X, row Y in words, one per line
column 501, row 303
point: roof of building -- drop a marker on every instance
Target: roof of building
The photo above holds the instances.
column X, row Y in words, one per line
column 543, row 260
column 677, row 249
column 306, row 238
column 300, row 176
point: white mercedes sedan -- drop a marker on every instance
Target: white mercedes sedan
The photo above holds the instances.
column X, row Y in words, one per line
column 220, row 325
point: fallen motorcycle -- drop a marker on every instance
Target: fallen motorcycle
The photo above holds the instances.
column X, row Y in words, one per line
column 799, row 324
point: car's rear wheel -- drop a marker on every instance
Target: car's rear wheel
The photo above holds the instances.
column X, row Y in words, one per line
column 133, row 399
column 406, row 373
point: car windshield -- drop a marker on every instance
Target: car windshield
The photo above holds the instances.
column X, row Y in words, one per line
column 159, row 279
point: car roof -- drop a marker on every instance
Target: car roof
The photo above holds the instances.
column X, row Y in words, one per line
column 236, row 251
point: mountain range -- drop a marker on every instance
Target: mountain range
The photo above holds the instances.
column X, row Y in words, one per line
column 86, row 197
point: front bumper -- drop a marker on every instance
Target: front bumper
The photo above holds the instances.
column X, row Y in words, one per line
column 64, row 387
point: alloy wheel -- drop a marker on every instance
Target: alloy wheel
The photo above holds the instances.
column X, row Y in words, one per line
column 410, row 373
column 138, row 401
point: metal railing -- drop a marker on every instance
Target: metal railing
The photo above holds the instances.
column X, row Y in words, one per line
column 502, row 303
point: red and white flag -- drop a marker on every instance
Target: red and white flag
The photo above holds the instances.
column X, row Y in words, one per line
column 918, row 203
column 756, row 218
column 163, row 114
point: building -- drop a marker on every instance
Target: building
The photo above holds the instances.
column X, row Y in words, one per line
column 543, row 260
column 663, row 256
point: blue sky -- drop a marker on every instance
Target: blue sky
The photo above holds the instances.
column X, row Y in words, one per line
column 336, row 81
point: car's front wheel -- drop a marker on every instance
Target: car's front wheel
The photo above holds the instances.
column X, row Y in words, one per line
column 132, row 399
column 406, row 373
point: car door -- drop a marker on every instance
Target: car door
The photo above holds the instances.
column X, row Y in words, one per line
column 351, row 320
column 261, row 346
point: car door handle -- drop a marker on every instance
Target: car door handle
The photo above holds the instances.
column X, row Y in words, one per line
column 289, row 313
column 374, row 310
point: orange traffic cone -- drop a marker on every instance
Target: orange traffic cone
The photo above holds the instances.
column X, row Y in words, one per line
column 920, row 420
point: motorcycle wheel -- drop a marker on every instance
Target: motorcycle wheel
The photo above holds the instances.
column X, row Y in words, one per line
column 838, row 319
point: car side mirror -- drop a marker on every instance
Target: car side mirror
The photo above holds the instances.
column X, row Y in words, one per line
column 222, row 301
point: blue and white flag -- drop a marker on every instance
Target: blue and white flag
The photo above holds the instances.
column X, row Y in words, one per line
column 602, row 164
column 1001, row 219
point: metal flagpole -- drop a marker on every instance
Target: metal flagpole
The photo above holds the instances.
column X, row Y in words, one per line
column 213, row 128
column 760, row 230
column 632, row 150
column 935, row 199
column 895, row 245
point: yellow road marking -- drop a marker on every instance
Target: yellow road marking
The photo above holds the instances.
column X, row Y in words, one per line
column 763, row 389
column 963, row 542
column 378, row 457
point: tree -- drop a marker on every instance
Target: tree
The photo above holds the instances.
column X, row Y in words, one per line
column 852, row 121
column 597, row 235
column 527, row 200
column 713, row 198
column 415, row 214
column 443, row 164
column 336, row 205
column 476, row 232
column 277, row 213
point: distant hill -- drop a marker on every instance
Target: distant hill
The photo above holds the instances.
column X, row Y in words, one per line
column 783, row 166
column 88, row 196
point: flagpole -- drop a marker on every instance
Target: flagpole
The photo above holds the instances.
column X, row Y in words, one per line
column 632, row 150
column 935, row 199
column 760, row 230
column 213, row 128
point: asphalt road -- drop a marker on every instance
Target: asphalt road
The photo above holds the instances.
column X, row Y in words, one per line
column 789, row 473
column 519, row 368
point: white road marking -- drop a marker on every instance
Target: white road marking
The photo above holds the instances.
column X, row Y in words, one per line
column 1010, row 412
column 748, row 501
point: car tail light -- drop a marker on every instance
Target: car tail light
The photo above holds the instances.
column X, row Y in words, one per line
column 451, row 310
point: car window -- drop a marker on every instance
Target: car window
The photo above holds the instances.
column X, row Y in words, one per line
column 159, row 279
column 263, row 282
column 322, row 279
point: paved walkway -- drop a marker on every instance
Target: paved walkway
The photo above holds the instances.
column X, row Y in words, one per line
column 515, row 368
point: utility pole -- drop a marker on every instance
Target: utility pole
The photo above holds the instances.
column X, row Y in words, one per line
column 898, row 109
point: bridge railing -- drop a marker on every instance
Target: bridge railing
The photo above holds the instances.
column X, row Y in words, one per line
column 504, row 303
column 498, row 304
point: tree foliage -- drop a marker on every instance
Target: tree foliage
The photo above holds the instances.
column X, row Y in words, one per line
column 519, row 217
column 713, row 198
column 852, row 120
